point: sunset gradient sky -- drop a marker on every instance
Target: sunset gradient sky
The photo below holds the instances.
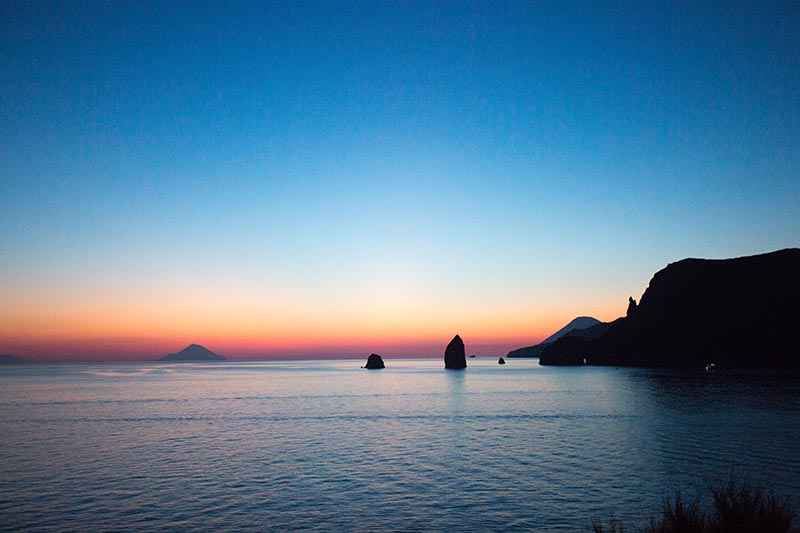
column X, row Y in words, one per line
column 298, row 179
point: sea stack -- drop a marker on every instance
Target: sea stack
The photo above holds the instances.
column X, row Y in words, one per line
column 454, row 355
column 374, row 362
column 501, row 361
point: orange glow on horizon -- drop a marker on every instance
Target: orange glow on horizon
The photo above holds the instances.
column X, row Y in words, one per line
column 43, row 326
column 111, row 341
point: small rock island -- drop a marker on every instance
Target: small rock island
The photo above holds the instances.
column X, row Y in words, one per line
column 374, row 362
column 455, row 357
column 193, row 352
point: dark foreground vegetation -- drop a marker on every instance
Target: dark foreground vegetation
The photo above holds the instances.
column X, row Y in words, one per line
column 738, row 508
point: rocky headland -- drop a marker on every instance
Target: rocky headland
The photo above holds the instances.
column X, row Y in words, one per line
column 735, row 313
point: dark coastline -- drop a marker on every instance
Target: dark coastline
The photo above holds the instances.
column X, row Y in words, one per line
column 732, row 313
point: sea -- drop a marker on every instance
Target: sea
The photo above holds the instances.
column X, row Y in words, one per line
column 329, row 446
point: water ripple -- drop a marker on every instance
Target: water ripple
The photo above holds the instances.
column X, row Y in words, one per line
column 289, row 448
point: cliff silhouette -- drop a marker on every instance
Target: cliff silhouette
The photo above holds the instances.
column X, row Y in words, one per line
column 736, row 313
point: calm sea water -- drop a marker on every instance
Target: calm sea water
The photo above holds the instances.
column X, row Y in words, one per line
column 325, row 445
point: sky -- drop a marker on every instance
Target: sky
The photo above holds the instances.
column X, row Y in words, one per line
column 330, row 179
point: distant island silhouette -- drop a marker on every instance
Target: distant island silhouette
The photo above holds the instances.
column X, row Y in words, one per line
column 579, row 326
column 193, row 352
column 6, row 359
column 734, row 313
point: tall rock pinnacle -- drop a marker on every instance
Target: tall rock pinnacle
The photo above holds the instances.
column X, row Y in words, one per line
column 454, row 355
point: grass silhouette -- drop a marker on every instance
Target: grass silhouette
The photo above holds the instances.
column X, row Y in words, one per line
column 738, row 507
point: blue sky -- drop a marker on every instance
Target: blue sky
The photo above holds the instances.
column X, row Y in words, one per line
column 501, row 166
